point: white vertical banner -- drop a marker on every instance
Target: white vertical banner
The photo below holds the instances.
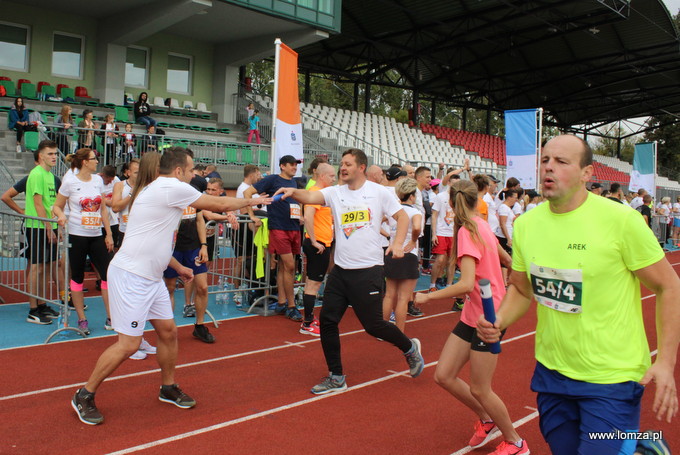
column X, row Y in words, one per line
column 522, row 145
column 643, row 174
column 287, row 125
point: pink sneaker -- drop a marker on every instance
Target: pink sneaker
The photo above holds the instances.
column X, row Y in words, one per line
column 312, row 330
column 482, row 434
column 508, row 448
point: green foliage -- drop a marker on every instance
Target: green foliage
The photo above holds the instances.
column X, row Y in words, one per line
column 667, row 134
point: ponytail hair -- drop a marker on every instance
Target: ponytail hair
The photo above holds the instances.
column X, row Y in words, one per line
column 149, row 167
column 77, row 159
column 463, row 200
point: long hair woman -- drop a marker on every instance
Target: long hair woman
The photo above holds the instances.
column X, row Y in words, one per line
column 479, row 255
column 84, row 194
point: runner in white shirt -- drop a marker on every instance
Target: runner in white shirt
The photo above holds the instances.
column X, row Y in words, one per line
column 358, row 207
column 138, row 292
column 109, row 177
column 505, row 219
column 84, row 194
column 442, row 238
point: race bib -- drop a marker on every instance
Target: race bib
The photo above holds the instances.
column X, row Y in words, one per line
column 353, row 218
column 558, row 289
column 295, row 212
column 189, row 213
column 91, row 221
column 125, row 219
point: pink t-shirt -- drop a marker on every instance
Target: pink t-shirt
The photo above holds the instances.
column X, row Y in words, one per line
column 488, row 265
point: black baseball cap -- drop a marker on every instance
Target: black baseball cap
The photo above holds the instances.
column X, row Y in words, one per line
column 394, row 173
column 493, row 178
column 289, row 159
column 595, row 185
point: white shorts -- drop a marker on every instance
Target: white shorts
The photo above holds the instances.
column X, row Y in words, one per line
column 133, row 300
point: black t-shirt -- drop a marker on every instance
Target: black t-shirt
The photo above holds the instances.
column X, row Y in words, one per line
column 615, row 199
column 20, row 186
column 283, row 214
column 199, row 183
column 645, row 210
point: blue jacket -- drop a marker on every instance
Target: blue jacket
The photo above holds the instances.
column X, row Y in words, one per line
column 14, row 117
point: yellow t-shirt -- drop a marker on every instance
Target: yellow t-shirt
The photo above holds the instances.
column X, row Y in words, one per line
column 323, row 222
column 581, row 265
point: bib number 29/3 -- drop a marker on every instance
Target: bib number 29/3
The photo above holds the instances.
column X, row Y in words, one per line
column 558, row 289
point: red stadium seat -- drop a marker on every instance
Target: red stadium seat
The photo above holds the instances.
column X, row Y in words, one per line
column 82, row 92
column 22, row 81
column 59, row 87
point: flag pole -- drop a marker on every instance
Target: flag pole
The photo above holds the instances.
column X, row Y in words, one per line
column 539, row 111
column 277, row 63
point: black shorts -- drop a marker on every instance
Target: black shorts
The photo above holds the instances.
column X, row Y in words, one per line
column 317, row 264
column 504, row 244
column 211, row 247
column 40, row 249
column 469, row 334
column 405, row 268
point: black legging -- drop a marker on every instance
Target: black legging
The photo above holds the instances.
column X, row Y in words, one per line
column 23, row 128
column 81, row 247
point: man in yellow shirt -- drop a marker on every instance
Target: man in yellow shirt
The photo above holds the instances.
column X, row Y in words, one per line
column 584, row 271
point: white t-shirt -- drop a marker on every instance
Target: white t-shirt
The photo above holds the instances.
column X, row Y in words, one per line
column 242, row 189
column 636, row 202
column 108, row 193
column 504, row 210
column 530, row 206
column 152, row 227
column 84, row 201
column 444, row 215
column 357, row 215
column 411, row 212
column 492, row 217
column 676, row 206
column 421, row 208
column 124, row 214
column 517, row 209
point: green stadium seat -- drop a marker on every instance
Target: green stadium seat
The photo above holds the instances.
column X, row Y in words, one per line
column 191, row 115
column 67, row 92
column 31, row 139
column 225, row 130
column 28, row 91
column 92, row 103
column 161, row 111
column 179, row 144
column 231, row 151
column 210, row 129
column 48, row 90
column 107, row 105
column 163, row 125
column 176, row 113
column 247, row 154
column 179, row 126
column 122, row 114
column 5, row 108
column 9, row 87
column 195, row 128
column 205, row 116
column 264, row 158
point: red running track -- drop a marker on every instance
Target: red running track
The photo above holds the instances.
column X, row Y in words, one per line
column 252, row 389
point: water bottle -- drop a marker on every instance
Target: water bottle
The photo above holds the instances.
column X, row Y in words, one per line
column 219, row 298
column 227, row 296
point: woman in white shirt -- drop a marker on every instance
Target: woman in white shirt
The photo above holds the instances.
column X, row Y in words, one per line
column 83, row 193
column 506, row 216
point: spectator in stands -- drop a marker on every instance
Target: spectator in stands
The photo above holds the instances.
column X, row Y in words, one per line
column 253, row 126
column 128, row 142
column 109, row 130
column 285, row 217
column 638, row 200
column 211, row 172
column 18, row 120
column 150, row 140
column 616, row 193
column 42, row 237
column 375, row 174
column 250, row 110
column 312, row 171
column 645, row 209
column 86, row 133
column 142, row 111
column 64, row 123
column 596, row 188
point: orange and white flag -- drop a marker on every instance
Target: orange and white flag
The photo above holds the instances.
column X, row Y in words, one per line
column 288, row 126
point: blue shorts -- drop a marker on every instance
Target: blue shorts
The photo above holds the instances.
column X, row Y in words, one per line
column 187, row 259
column 570, row 410
column 676, row 222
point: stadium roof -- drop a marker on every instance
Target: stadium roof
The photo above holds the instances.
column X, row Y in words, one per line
column 583, row 61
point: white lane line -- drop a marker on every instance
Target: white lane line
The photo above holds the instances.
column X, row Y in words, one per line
column 516, row 424
column 286, row 344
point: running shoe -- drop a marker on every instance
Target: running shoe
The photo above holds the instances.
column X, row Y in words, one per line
column 202, row 333
column 83, row 404
column 414, row 358
column 47, row 311
column 414, row 311
column 83, row 326
column 138, row 355
column 330, row 384
column 73, row 307
column 189, row 311
column 652, row 446
column 146, row 347
column 508, row 448
column 458, row 305
column 311, row 329
column 433, row 288
column 393, row 318
column 239, row 296
column 107, row 324
column 173, row 394
column 98, row 285
column 482, row 434
column 294, row 314
column 37, row 317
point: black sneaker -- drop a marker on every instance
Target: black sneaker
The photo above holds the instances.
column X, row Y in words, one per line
column 47, row 311
column 458, row 305
column 173, row 394
column 37, row 317
column 201, row 332
column 98, row 285
column 83, row 404
column 73, row 307
column 414, row 311
column 189, row 311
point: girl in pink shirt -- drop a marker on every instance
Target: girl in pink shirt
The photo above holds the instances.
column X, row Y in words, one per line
column 479, row 256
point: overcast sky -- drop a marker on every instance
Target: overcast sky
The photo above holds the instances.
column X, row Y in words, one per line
column 672, row 5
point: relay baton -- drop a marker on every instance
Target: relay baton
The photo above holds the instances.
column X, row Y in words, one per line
column 489, row 310
column 277, row 197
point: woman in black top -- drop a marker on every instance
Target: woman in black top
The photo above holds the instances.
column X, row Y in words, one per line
column 142, row 111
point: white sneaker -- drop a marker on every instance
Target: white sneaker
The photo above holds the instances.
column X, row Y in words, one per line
column 18, row 148
column 139, row 355
column 146, row 347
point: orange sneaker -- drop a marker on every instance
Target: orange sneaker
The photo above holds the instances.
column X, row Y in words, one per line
column 482, row 434
column 508, row 448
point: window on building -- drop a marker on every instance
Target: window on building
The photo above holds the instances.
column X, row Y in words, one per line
column 137, row 67
column 14, row 47
column 179, row 73
column 67, row 55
